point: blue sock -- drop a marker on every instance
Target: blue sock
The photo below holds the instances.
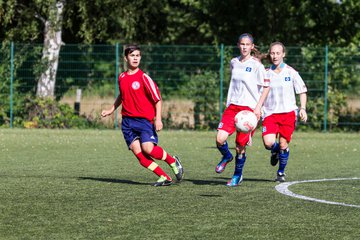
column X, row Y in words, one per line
column 239, row 165
column 284, row 156
column 224, row 150
column 275, row 147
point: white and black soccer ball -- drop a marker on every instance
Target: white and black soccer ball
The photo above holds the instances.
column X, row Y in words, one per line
column 245, row 121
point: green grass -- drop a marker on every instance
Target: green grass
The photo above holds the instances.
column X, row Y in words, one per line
column 85, row 184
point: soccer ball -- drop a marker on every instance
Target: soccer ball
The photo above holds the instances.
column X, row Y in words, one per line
column 245, row 121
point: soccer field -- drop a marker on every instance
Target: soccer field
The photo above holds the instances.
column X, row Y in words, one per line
column 85, row 184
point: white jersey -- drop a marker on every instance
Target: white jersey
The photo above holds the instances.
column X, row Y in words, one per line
column 283, row 86
column 247, row 80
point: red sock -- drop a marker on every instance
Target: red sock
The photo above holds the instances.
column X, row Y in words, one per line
column 159, row 153
column 151, row 165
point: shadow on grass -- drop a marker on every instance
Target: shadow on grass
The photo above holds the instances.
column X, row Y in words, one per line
column 257, row 180
column 214, row 147
column 249, row 179
column 204, row 182
column 210, row 195
column 225, row 180
column 113, row 180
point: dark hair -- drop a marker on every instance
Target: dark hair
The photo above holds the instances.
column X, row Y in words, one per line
column 131, row 48
column 248, row 35
column 255, row 51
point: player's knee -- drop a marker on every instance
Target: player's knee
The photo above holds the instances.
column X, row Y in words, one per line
column 284, row 145
column 220, row 140
column 239, row 148
column 221, row 137
column 268, row 144
column 147, row 148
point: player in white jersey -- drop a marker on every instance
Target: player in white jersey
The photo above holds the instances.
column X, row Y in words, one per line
column 280, row 109
column 247, row 80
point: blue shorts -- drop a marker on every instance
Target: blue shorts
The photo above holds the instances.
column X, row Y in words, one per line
column 138, row 128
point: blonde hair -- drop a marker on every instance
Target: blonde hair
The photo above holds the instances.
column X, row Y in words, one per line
column 259, row 55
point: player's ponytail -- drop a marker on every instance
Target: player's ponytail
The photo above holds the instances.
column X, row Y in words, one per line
column 257, row 54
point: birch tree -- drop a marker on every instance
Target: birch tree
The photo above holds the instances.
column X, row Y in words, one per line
column 51, row 48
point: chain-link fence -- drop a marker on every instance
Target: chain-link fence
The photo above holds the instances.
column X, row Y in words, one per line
column 193, row 81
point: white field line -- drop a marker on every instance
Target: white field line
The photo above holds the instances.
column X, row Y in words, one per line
column 283, row 188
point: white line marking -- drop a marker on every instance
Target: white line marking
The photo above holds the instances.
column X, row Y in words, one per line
column 283, row 188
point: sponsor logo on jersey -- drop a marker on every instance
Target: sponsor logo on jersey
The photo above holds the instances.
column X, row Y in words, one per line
column 248, row 69
column 135, row 85
column 287, row 79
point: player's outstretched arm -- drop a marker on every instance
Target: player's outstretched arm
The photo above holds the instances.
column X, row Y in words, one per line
column 116, row 104
column 108, row 112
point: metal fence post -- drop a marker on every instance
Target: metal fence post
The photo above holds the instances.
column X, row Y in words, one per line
column 326, row 88
column 116, row 81
column 11, row 82
column 221, row 78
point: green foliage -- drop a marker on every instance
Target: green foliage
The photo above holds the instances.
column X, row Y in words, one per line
column 343, row 79
column 203, row 89
column 344, row 66
column 315, row 110
column 337, row 102
column 89, row 67
column 310, row 22
column 350, row 121
column 25, row 68
column 4, row 118
column 180, row 22
column 171, row 65
column 48, row 113
column 187, row 21
column 4, row 83
column 336, row 105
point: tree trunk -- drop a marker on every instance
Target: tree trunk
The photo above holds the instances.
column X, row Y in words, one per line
column 51, row 50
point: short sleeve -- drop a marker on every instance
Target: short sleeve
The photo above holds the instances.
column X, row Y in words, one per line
column 299, row 84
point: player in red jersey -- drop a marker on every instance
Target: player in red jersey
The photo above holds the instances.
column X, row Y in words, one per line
column 141, row 118
column 280, row 110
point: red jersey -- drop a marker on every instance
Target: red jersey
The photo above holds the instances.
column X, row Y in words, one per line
column 139, row 94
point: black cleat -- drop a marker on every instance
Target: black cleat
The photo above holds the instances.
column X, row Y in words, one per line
column 280, row 177
column 180, row 174
column 274, row 159
column 162, row 182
